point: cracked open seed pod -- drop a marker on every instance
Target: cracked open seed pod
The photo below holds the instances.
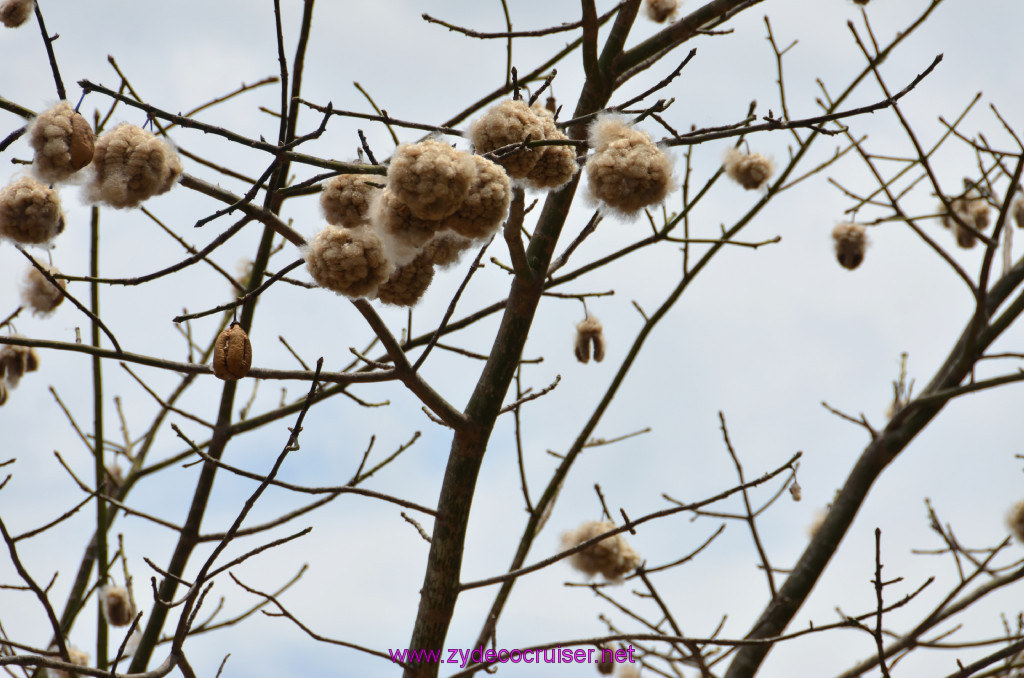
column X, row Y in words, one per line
column 63, row 142
column 850, row 241
column 117, row 605
column 130, row 166
column 14, row 13
column 589, row 332
column 232, row 355
column 30, row 212
column 15, row 361
column 750, row 170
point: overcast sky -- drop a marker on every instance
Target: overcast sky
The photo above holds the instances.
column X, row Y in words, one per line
column 763, row 336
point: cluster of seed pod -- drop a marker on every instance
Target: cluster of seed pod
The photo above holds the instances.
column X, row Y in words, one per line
column 15, row 361
column 612, row 557
column 626, row 170
column 386, row 242
column 513, row 122
column 750, row 170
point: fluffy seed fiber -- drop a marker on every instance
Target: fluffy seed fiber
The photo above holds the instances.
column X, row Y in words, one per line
column 556, row 164
column 77, row 657
column 131, row 165
column 63, row 142
column 589, row 332
column 30, row 212
column 348, row 261
column 751, row 171
column 117, row 606
column 445, row 248
column 14, row 13
column 509, row 122
column 627, row 172
column 612, row 556
column 41, row 295
column 431, row 177
column 850, row 241
column 346, row 199
column 408, row 283
column 486, row 203
column 661, row 11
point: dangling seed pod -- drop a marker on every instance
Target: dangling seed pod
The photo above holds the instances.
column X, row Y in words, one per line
column 612, row 556
column 509, row 122
column 606, row 661
column 77, row 657
column 751, row 171
column 14, row 13
column 408, row 283
column 15, row 361
column 41, row 295
column 850, row 241
column 346, row 199
column 431, row 177
column 117, row 605
column 661, row 11
column 232, row 354
column 30, row 212
column 973, row 210
column 131, row 165
column 556, row 164
column 626, row 171
column 589, row 332
column 486, row 203
column 348, row 261
column 63, row 142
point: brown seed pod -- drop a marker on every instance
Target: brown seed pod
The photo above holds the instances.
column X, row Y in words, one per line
column 14, row 13
column 589, row 332
column 131, row 165
column 606, row 661
column 63, row 142
column 509, row 122
column 446, row 247
column 39, row 293
column 661, row 11
column 612, row 556
column 431, row 177
column 346, row 199
column 408, row 283
column 751, row 171
column 1015, row 521
column 232, row 354
column 486, row 203
column 404, row 232
column 850, row 241
column 348, row 261
column 1018, row 211
column 30, row 212
column 557, row 164
column 627, row 171
column 972, row 210
column 15, row 361
column 117, row 605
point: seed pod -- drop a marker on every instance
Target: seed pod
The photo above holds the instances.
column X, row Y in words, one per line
column 117, row 605
column 39, row 293
column 509, row 122
column 346, row 199
column 486, row 203
column 751, row 171
column 14, row 13
column 557, row 164
column 1015, row 521
column 63, row 142
column 588, row 332
column 850, row 242
column 431, row 177
column 348, row 261
column 612, row 556
column 15, row 361
column 661, row 11
column 626, row 171
column 408, row 283
column 232, row 355
column 30, row 212
column 130, row 166
column 3, row 393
